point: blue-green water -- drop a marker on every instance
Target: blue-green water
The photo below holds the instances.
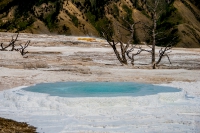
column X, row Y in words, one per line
column 98, row 89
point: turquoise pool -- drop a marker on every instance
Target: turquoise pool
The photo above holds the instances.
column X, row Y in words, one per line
column 99, row 89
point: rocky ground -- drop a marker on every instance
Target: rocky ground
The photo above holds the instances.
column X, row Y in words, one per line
column 62, row 58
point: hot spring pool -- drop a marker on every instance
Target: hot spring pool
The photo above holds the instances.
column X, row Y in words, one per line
column 102, row 107
column 98, row 89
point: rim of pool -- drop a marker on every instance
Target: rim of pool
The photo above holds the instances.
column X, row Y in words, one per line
column 61, row 106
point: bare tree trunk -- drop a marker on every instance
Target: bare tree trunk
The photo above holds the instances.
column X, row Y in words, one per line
column 120, row 54
column 123, row 52
column 154, row 38
column 122, row 59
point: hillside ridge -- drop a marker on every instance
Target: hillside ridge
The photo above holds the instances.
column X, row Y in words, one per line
column 89, row 17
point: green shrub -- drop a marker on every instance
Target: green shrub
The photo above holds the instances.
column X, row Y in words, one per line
column 91, row 18
column 102, row 24
column 115, row 11
column 49, row 21
column 74, row 20
column 128, row 16
column 22, row 25
column 65, row 28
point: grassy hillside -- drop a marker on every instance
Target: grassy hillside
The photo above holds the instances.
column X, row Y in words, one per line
column 88, row 17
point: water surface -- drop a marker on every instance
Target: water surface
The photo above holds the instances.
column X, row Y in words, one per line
column 98, row 89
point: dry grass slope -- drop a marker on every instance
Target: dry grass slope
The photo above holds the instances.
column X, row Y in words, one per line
column 189, row 31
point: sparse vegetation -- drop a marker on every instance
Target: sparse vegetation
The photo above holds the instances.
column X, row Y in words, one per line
column 191, row 9
column 91, row 17
column 128, row 15
column 49, row 20
column 74, row 20
column 115, row 11
column 65, row 28
column 196, row 2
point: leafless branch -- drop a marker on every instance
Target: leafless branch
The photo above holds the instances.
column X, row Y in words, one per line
column 139, row 49
column 12, row 45
column 164, row 51
column 109, row 38
column 22, row 49
column 121, row 56
column 12, row 42
column 146, row 26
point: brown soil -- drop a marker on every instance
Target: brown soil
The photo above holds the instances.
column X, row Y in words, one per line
column 10, row 126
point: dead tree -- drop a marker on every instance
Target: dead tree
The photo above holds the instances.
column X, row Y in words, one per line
column 152, row 32
column 130, row 52
column 164, row 51
column 124, row 51
column 13, row 44
column 121, row 56
column 22, row 49
column 139, row 49
column 128, row 49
